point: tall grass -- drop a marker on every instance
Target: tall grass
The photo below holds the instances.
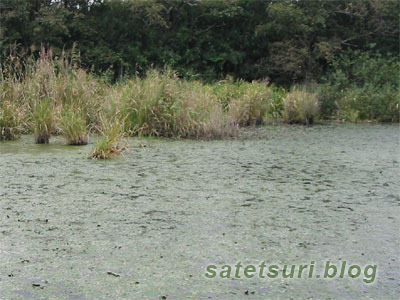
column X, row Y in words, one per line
column 112, row 140
column 43, row 121
column 162, row 105
column 73, row 126
column 46, row 87
column 300, row 107
column 59, row 80
column 250, row 104
column 11, row 121
column 50, row 95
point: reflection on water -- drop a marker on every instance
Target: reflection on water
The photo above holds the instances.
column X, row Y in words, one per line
column 145, row 225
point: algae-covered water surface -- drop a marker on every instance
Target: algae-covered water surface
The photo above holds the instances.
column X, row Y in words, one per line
column 146, row 224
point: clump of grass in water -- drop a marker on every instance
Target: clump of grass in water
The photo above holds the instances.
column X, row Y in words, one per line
column 43, row 120
column 73, row 126
column 112, row 140
column 10, row 121
column 300, row 107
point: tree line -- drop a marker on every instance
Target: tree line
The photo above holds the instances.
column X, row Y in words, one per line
column 285, row 41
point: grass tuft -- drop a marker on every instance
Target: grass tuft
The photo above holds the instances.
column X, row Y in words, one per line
column 73, row 126
column 43, row 121
column 112, row 140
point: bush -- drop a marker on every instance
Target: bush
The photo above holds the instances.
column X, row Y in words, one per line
column 300, row 107
column 368, row 103
column 362, row 86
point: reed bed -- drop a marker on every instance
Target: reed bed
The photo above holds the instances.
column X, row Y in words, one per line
column 54, row 96
column 163, row 105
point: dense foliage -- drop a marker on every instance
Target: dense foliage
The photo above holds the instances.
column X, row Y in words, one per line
column 362, row 86
column 347, row 48
column 285, row 41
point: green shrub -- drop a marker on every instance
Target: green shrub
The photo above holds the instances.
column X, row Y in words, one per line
column 275, row 109
column 362, row 86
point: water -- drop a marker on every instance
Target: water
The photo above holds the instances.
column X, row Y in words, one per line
column 145, row 225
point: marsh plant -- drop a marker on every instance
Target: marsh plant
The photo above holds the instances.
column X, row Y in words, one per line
column 73, row 126
column 59, row 80
column 51, row 94
column 112, row 140
column 250, row 104
column 11, row 118
column 300, row 107
column 163, row 105
column 199, row 114
column 43, row 121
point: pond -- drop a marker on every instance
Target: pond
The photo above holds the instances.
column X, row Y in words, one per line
column 146, row 224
